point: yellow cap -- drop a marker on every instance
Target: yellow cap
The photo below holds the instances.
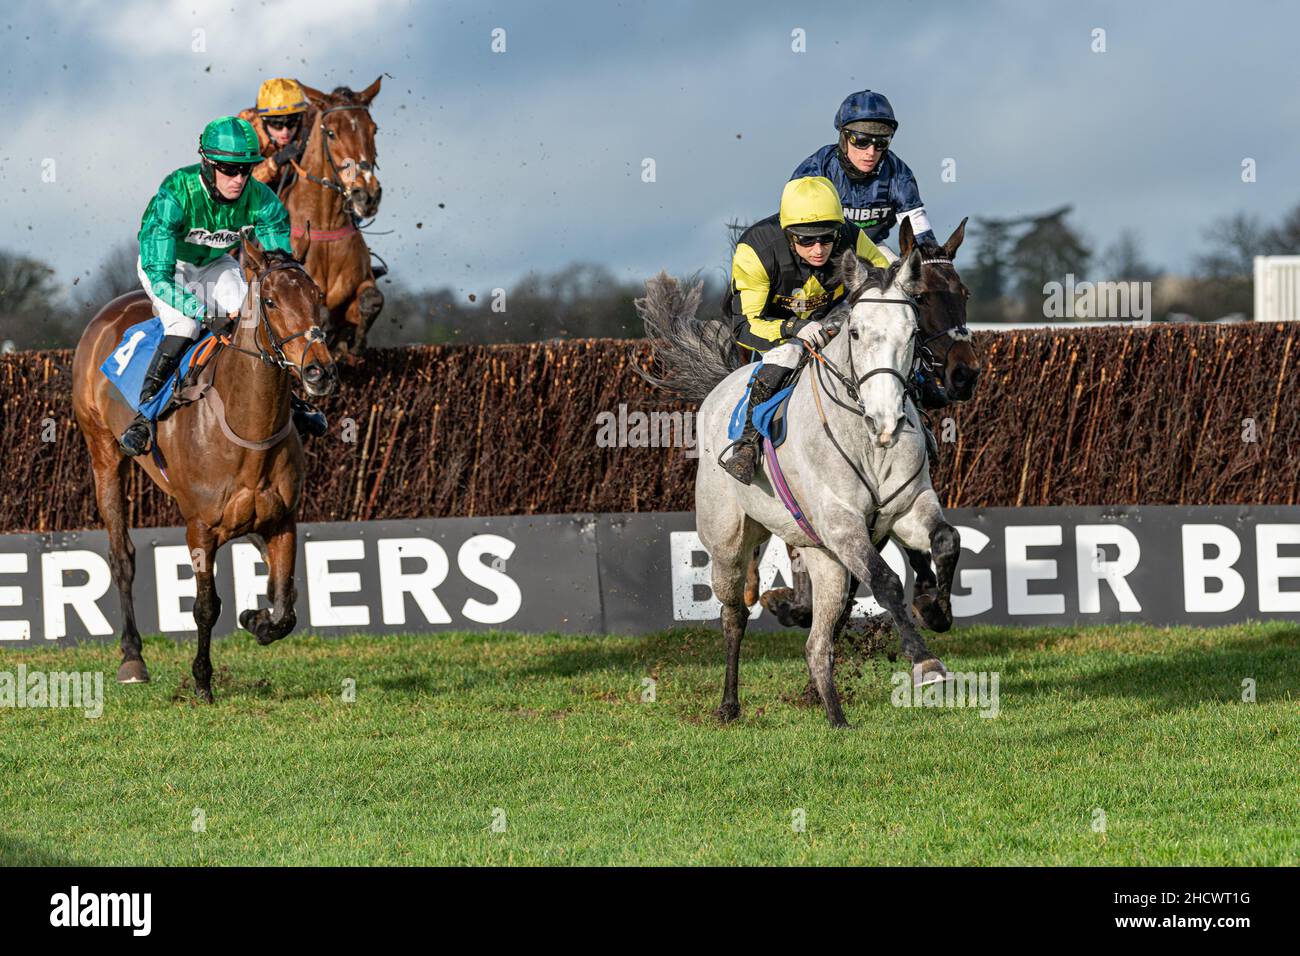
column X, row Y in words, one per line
column 811, row 199
column 281, row 96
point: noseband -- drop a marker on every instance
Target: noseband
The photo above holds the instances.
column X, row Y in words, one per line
column 852, row 382
column 275, row 356
column 957, row 333
column 335, row 182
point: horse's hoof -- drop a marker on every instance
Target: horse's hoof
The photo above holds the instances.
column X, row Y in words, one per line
column 840, row 724
column 930, row 613
column 246, row 619
column 204, row 695
column 929, row 671
column 133, row 672
column 728, row 712
column 780, row 601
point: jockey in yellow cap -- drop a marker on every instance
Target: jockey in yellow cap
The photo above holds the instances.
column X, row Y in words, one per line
column 278, row 119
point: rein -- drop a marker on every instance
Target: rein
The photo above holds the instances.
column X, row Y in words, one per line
column 335, row 182
column 852, row 384
column 958, row 333
column 273, row 357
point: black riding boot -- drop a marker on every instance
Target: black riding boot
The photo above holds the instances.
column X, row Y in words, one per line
column 311, row 421
column 744, row 455
column 932, row 396
column 135, row 440
column 931, row 444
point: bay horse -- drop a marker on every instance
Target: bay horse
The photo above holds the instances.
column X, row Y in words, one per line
column 945, row 346
column 232, row 461
column 851, row 500
column 335, row 184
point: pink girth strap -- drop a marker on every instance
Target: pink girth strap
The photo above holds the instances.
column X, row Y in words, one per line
column 325, row 235
column 784, row 493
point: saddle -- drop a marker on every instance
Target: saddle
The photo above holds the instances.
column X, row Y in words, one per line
column 126, row 365
column 769, row 417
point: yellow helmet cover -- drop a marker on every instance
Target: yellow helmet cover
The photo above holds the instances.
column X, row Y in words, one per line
column 810, row 200
column 281, row 96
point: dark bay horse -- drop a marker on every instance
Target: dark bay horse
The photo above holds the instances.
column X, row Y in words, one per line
column 336, row 182
column 945, row 345
column 226, row 487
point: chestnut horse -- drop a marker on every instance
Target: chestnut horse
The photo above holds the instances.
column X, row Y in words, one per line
column 234, row 465
column 336, row 182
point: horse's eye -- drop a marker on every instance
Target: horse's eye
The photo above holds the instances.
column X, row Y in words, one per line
column 854, row 335
column 329, row 133
column 268, row 303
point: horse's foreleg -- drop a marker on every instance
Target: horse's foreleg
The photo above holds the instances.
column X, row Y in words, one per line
column 207, row 606
column 853, row 547
column 279, row 553
column 364, row 308
column 919, row 561
column 110, row 467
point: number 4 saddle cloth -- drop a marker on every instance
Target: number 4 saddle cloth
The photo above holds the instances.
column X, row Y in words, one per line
column 125, row 367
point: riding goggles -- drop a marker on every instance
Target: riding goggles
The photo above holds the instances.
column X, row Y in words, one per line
column 863, row 140
column 825, row 239
column 234, row 169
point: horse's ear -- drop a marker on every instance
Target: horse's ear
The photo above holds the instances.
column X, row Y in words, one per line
column 906, row 240
column 371, row 91
column 909, row 273
column 315, row 96
column 954, row 241
column 853, row 271
column 252, row 254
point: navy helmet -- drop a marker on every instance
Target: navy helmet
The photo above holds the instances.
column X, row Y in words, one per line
column 865, row 107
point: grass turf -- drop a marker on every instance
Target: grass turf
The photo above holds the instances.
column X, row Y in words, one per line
column 549, row 737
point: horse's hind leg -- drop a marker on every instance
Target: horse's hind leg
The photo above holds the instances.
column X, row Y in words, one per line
column 831, row 606
column 279, row 551
column 110, row 467
column 730, row 562
column 207, row 606
column 924, row 527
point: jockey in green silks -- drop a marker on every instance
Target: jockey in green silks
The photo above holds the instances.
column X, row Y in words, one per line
column 189, row 229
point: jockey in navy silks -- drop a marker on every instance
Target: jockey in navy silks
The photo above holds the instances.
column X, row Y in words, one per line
column 876, row 187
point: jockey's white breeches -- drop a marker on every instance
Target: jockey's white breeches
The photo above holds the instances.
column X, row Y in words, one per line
column 219, row 285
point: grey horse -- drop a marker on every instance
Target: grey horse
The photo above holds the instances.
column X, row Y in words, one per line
column 854, row 456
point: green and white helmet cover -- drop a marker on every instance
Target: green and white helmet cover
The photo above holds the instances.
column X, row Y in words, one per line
column 229, row 139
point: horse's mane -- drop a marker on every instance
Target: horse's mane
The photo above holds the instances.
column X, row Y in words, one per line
column 345, row 92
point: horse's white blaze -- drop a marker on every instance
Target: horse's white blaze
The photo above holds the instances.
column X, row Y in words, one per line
column 885, row 339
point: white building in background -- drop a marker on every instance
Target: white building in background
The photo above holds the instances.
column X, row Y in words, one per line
column 1277, row 288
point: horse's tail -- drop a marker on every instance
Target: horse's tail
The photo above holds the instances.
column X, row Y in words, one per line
column 691, row 355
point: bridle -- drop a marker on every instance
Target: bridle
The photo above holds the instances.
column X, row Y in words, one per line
column 335, row 181
column 958, row 333
column 852, row 384
column 275, row 356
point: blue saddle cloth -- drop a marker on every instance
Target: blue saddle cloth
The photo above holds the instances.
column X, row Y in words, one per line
column 769, row 420
column 126, row 365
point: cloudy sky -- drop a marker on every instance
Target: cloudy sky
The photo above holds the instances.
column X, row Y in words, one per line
column 532, row 158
